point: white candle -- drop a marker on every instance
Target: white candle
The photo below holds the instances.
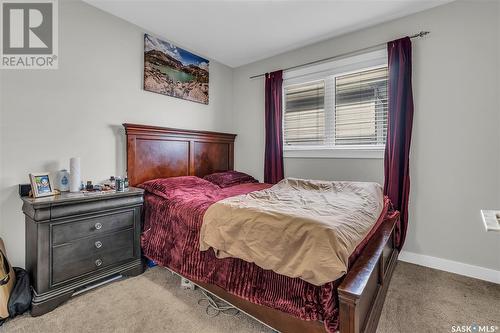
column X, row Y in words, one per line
column 75, row 178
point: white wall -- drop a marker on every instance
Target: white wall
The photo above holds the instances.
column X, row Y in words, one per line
column 455, row 158
column 48, row 116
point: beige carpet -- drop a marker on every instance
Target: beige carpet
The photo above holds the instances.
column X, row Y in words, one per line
column 419, row 300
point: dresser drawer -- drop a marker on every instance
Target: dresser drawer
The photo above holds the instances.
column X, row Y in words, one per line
column 85, row 255
column 64, row 232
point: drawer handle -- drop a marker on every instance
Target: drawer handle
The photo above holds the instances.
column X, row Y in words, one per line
column 98, row 244
column 98, row 262
column 98, row 225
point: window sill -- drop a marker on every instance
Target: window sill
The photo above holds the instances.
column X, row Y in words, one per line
column 301, row 152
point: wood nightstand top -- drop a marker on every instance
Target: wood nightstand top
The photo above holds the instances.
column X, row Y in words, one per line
column 72, row 198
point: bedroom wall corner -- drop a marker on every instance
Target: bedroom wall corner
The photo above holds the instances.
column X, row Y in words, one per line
column 48, row 116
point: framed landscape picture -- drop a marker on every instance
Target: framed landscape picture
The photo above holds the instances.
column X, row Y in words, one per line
column 173, row 71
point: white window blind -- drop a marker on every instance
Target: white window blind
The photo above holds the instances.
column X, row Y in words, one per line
column 339, row 107
column 305, row 114
column 361, row 108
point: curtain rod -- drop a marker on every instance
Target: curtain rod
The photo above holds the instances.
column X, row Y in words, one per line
column 417, row 35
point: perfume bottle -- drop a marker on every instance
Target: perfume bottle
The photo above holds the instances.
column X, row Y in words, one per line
column 119, row 184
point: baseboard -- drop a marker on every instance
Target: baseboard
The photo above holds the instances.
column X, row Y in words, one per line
column 451, row 266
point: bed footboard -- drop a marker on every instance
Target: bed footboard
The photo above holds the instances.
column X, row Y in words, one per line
column 362, row 293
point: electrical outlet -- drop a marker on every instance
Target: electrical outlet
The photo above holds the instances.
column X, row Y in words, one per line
column 186, row 284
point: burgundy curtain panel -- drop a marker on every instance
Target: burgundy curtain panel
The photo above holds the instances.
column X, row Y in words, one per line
column 400, row 120
column 273, row 162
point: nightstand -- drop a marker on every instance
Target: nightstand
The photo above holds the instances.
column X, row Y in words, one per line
column 75, row 241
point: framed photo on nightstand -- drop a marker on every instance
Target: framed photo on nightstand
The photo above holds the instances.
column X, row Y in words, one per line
column 40, row 185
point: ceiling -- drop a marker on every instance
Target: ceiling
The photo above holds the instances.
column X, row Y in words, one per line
column 237, row 32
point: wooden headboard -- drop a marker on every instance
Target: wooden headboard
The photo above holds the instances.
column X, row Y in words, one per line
column 159, row 152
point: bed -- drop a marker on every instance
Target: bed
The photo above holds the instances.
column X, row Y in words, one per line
column 350, row 304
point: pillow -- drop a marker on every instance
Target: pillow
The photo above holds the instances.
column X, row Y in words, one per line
column 172, row 187
column 229, row 178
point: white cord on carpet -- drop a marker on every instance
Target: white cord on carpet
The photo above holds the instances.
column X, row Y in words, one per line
column 216, row 306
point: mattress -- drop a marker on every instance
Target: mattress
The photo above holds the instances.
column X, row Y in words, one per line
column 173, row 215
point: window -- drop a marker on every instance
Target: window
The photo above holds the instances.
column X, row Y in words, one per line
column 337, row 109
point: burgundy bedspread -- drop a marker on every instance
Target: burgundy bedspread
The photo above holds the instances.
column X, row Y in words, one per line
column 174, row 210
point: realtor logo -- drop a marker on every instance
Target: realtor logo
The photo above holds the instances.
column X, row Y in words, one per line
column 29, row 34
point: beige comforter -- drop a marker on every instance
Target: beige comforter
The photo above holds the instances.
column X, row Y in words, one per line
column 298, row 228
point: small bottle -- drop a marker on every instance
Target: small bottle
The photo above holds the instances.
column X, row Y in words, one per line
column 112, row 181
column 89, row 186
column 119, row 184
column 125, row 183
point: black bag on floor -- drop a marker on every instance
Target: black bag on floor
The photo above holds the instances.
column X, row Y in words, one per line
column 20, row 297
